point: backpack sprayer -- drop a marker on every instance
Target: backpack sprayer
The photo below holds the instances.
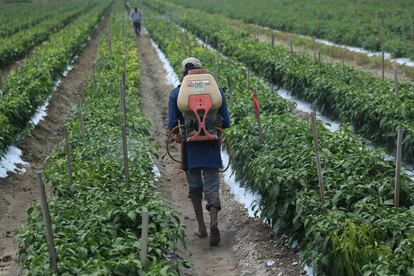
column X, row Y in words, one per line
column 199, row 100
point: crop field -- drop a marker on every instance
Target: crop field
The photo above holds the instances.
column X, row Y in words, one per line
column 333, row 196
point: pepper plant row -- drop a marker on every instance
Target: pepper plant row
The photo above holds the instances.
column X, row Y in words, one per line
column 97, row 219
column 17, row 17
column 18, row 45
column 339, row 91
column 357, row 230
column 350, row 23
column 26, row 90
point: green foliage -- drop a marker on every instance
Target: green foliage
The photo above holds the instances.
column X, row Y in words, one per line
column 358, row 228
column 97, row 219
column 24, row 91
column 341, row 92
column 19, row 44
column 354, row 23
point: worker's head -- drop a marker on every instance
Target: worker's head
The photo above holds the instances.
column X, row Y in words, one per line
column 135, row 9
column 190, row 63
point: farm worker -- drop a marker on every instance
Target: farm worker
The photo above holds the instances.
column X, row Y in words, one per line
column 201, row 162
column 136, row 17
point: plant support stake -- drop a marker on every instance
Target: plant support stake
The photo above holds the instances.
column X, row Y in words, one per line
column 124, row 128
column 382, row 53
column 396, row 82
column 317, row 157
column 398, row 168
column 273, row 40
column 68, row 148
column 144, row 237
column 47, row 224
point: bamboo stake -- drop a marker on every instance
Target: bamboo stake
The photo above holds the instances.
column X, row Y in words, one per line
column 68, row 156
column 47, row 224
column 317, row 157
column 398, row 168
column 144, row 237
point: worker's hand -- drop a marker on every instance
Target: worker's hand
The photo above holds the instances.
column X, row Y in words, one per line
column 177, row 139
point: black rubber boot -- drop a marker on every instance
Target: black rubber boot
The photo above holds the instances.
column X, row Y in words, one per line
column 214, row 231
column 198, row 210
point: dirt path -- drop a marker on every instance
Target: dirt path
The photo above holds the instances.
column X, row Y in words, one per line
column 18, row 191
column 246, row 244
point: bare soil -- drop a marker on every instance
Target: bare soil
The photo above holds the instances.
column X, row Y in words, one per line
column 246, row 243
column 18, row 191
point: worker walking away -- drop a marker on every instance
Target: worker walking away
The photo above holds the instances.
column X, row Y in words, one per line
column 136, row 17
column 200, row 134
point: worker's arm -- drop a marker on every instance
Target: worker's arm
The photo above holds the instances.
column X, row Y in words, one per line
column 173, row 111
column 224, row 112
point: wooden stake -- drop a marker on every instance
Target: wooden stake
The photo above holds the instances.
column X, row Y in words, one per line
column 317, row 157
column 109, row 43
column 206, row 48
column 144, row 237
column 319, row 62
column 273, row 40
column 124, row 127
column 247, row 79
column 230, row 91
column 396, row 82
column 291, row 43
column 47, row 224
column 398, row 168
column 82, row 122
column 382, row 53
column 68, row 156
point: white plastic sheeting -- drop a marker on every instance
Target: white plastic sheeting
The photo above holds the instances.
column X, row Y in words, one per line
column 13, row 156
column 307, row 108
column 401, row 61
column 9, row 162
column 171, row 76
column 249, row 199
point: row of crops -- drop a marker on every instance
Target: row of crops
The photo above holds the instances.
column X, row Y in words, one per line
column 357, row 231
column 27, row 89
column 97, row 219
column 18, row 45
column 339, row 91
column 15, row 17
column 353, row 23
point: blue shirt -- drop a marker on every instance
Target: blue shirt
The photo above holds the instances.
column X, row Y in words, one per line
column 198, row 154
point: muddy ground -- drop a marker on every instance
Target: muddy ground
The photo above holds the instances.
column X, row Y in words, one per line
column 246, row 243
column 18, row 191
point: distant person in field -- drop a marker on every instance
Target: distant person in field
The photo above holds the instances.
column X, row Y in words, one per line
column 136, row 17
column 201, row 160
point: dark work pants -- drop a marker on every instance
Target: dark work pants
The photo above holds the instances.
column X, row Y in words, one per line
column 204, row 180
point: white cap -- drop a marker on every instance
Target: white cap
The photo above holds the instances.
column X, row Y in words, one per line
column 190, row 63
